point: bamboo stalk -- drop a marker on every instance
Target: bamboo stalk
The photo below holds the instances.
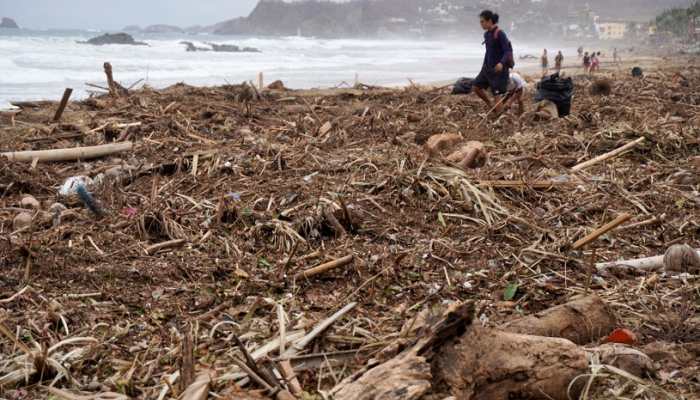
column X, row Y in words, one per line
column 150, row 250
column 325, row 267
column 71, row 154
column 602, row 231
column 522, row 184
column 608, row 155
column 318, row 329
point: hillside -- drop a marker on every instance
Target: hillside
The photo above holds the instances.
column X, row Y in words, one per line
column 427, row 17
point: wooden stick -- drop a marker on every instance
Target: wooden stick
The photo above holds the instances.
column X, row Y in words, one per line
column 607, row 156
column 647, row 263
column 602, row 231
column 325, row 267
column 318, row 329
column 150, row 250
column 63, row 104
column 522, row 184
column 72, row 154
column 650, row 221
column 14, row 296
column 291, row 378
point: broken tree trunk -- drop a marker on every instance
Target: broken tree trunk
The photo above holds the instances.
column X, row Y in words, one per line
column 582, row 321
column 72, row 154
column 63, row 104
column 115, row 89
column 487, row 364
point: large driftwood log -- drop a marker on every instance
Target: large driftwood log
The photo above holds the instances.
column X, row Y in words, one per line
column 72, row 154
column 582, row 321
column 487, row 364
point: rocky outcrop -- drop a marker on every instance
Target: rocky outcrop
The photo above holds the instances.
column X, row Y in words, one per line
column 8, row 23
column 114, row 38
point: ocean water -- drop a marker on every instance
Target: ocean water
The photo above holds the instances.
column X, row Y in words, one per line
column 37, row 65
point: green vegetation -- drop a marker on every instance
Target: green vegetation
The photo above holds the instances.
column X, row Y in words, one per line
column 677, row 20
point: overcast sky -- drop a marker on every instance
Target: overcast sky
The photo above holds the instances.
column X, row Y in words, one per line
column 115, row 14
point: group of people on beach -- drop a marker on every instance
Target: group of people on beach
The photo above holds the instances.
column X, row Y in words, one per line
column 558, row 62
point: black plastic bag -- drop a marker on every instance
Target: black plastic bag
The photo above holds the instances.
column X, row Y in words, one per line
column 463, row 86
column 557, row 90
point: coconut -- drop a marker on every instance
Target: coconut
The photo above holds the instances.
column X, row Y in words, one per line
column 682, row 258
column 30, row 202
column 22, row 221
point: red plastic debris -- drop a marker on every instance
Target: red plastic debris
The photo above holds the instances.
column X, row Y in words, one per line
column 623, row 336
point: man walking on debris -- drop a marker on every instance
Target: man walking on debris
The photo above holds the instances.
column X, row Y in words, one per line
column 497, row 62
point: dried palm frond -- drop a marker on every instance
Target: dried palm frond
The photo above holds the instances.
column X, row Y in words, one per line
column 280, row 233
column 41, row 363
column 461, row 187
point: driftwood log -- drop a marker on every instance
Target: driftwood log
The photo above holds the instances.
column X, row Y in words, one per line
column 677, row 258
column 515, row 361
column 581, row 321
column 488, row 364
column 72, row 154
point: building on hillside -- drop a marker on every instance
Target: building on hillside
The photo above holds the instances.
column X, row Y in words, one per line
column 611, row 30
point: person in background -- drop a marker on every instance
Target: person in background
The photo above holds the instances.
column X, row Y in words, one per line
column 558, row 61
column 616, row 58
column 516, row 88
column 580, row 51
column 595, row 64
column 545, row 63
column 586, row 63
column 497, row 62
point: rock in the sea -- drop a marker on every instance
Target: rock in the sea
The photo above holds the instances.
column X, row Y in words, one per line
column 114, row 38
column 161, row 28
column 232, row 48
column 8, row 23
column 191, row 47
column 221, row 48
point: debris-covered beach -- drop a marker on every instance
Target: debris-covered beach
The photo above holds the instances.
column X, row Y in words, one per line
column 331, row 234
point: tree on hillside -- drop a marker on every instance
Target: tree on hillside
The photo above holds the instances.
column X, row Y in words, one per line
column 677, row 20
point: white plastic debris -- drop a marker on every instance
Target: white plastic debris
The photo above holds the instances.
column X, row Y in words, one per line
column 6, row 106
column 70, row 186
